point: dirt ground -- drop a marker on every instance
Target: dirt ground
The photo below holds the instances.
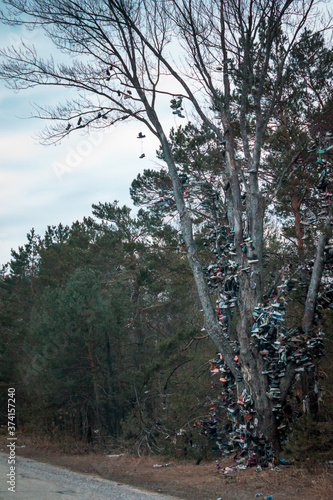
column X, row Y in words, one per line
column 184, row 479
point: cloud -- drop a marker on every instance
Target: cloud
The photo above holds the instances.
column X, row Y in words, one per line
column 44, row 186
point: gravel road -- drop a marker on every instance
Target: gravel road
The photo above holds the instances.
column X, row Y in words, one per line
column 38, row 481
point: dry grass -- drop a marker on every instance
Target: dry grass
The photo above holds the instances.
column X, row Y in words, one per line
column 182, row 479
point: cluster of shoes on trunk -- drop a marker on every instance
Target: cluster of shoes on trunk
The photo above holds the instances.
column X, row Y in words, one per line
column 239, row 436
column 270, row 337
column 176, row 106
column 278, row 347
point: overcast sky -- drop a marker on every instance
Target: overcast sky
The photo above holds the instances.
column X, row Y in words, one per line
column 46, row 185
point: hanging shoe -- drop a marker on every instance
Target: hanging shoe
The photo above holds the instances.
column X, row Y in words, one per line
column 142, row 155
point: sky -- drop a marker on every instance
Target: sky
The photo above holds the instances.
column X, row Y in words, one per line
column 47, row 185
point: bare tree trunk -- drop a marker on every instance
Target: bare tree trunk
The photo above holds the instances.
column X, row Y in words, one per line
column 95, row 383
column 316, row 276
column 308, row 318
column 295, row 205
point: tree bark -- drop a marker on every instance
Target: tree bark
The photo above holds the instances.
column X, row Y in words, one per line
column 95, row 383
column 316, row 276
column 309, row 311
